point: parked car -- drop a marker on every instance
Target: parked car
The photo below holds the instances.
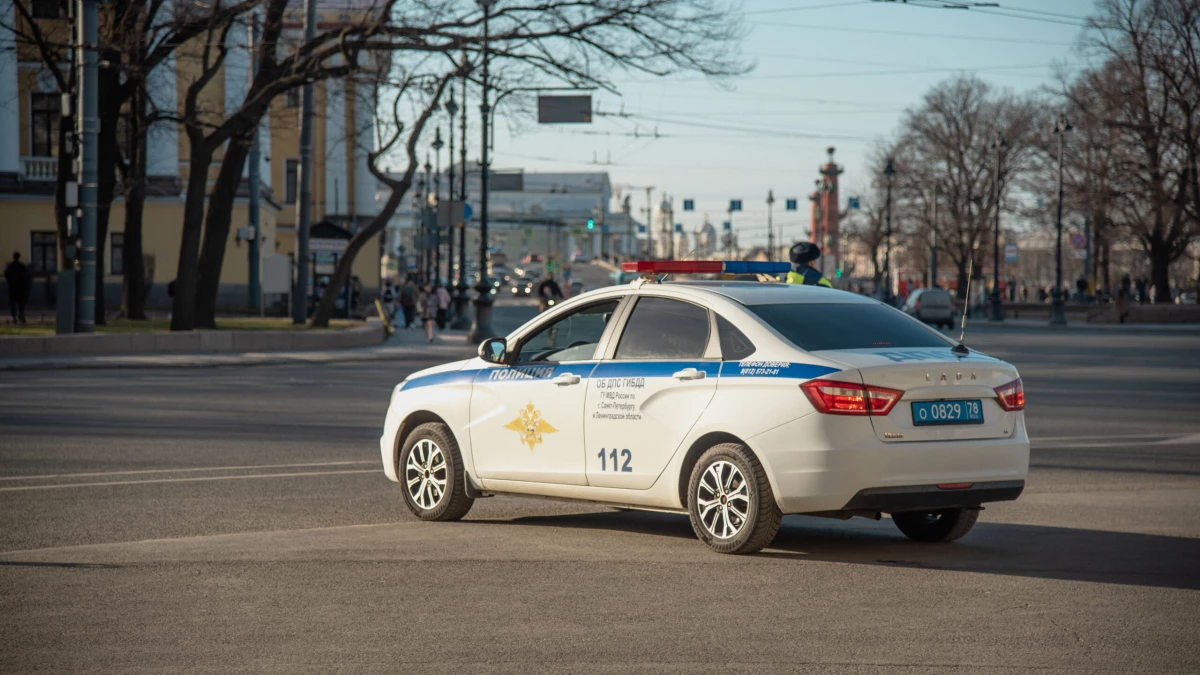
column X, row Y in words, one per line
column 931, row 305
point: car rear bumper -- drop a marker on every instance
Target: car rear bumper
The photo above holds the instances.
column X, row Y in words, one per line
column 927, row 497
column 822, row 463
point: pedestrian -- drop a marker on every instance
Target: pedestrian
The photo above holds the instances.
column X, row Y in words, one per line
column 389, row 301
column 802, row 255
column 1123, row 298
column 1142, row 284
column 16, row 275
column 443, row 304
column 427, row 309
column 548, row 293
column 408, row 301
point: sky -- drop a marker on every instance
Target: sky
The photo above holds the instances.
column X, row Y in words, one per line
column 827, row 72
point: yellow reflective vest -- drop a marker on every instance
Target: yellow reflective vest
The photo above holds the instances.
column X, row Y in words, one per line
column 809, row 277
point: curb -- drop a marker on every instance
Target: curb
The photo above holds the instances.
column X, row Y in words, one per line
column 179, row 361
column 192, row 342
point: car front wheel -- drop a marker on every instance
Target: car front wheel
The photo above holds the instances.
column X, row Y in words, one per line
column 431, row 474
column 730, row 501
column 936, row 526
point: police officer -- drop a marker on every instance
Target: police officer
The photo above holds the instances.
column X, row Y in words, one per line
column 803, row 254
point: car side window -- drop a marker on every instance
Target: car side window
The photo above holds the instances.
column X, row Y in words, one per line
column 572, row 338
column 735, row 346
column 659, row 328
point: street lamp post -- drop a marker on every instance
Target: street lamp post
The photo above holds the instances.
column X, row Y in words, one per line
column 1058, row 316
column 770, row 226
column 425, row 201
column 438, row 144
column 451, row 110
column 482, row 329
column 933, row 223
column 889, row 172
column 461, row 320
column 997, row 312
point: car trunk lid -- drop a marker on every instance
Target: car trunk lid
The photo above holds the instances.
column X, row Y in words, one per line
column 933, row 374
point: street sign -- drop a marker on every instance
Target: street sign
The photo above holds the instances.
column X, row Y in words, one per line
column 853, row 202
column 679, row 227
column 1078, row 241
column 277, row 273
column 1010, row 253
column 726, row 225
column 527, row 232
column 735, row 205
column 689, row 205
column 467, row 211
column 791, row 205
column 603, row 228
column 641, row 229
column 1079, row 254
column 564, row 109
column 577, row 230
column 327, row 245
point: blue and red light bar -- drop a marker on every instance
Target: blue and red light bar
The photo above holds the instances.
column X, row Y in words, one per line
column 705, row 267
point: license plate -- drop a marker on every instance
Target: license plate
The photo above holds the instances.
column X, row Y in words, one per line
column 928, row 413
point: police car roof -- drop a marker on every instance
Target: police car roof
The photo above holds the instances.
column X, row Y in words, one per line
column 757, row 293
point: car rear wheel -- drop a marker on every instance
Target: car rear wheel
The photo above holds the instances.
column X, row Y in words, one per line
column 936, row 526
column 432, row 476
column 730, row 501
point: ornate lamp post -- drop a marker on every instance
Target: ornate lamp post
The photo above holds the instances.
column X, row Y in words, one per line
column 1059, row 315
column 889, row 172
column 482, row 329
column 997, row 311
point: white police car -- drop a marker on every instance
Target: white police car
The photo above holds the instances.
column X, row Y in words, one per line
column 733, row 402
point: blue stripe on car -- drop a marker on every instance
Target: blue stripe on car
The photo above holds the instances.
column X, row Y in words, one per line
column 784, row 369
column 773, row 369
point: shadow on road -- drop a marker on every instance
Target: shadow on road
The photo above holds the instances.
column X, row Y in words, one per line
column 992, row 548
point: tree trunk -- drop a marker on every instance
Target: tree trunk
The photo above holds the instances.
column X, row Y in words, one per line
column 216, row 231
column 1160, row 271
column 183, row 308
column 133, row 290
column 961, row 291
column 341, row 273
column 106, row 166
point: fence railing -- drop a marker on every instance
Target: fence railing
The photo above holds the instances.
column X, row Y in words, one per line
column 39, row 168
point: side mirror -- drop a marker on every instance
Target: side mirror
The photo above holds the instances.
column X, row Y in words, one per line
column 493, row 350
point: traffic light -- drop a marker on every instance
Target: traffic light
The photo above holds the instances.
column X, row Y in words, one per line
column 591, row 224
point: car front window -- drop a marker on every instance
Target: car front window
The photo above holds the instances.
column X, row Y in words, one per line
column 571, row 338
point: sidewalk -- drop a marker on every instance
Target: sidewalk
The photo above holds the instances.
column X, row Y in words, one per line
column 402, row 346
column 1084, row 326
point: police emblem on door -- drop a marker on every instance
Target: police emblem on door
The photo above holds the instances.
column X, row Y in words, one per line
column 530, row 426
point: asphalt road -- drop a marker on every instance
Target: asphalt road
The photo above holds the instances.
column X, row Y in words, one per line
column 237, row 519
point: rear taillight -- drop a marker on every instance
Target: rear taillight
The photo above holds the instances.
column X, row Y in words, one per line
column 1011, row 396
column 847, row 398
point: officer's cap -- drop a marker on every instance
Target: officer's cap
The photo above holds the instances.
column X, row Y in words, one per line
column 803, row 252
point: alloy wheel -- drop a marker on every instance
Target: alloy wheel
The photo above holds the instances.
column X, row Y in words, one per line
column 723, row 498
column 425, row 474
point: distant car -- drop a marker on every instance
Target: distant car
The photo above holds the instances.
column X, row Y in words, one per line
column 931, row 305
column 580, row 258
column 576, row 288
column 1186, row 298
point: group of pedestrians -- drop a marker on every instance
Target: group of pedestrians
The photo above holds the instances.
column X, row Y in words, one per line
column 427, row 302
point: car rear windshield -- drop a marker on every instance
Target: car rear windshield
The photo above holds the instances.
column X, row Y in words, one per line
column 935, row 298
column 814, row 327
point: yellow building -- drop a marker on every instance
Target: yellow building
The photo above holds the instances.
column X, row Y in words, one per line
column 343, row 189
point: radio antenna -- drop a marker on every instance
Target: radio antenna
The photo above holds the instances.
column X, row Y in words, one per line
column 962, row 348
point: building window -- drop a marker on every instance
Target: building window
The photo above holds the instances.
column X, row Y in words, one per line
column 43, row 253
column 290, row 180
column 44, row 113
column 45, row 9
column 291, row 97
column 116, row 253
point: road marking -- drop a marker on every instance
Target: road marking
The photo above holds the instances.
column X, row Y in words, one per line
column 213, row 468
column 185, row 480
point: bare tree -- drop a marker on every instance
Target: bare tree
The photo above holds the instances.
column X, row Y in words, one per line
column 947, row 140
column 1149, row 85
column 563, row 41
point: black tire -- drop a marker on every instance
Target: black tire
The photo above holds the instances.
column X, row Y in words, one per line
column 452, row 503
column 936, row 526
column 762, row 518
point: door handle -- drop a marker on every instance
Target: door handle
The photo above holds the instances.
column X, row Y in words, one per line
column 566, row 379
column 689, row 374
